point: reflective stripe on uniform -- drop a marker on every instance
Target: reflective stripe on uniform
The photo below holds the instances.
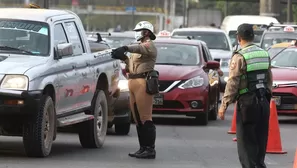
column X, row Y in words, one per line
column 256, row 60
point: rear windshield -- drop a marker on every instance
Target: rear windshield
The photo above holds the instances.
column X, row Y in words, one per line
column 180, row 54
column 270, row 39
column 273, row 51
column 257, row 38
column 214, row 40
column 287, row 58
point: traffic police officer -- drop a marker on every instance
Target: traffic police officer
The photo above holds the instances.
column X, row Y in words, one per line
column 138, row 66
column 250, row 84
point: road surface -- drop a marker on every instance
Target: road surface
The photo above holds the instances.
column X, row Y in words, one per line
column 180, row 144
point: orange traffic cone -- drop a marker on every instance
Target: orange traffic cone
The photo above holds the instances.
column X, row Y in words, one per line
column 274, row 144
column 233, row 125
column 295, row 160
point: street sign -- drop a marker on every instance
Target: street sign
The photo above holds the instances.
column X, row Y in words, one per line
column 130, row 9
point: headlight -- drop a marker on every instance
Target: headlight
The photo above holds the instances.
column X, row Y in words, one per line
column 226, row 79
column 123, row 85
column 192, row 83
column 15, row 82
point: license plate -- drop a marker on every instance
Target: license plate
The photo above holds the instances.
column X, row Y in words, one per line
column 158, row 99
column 277, row 100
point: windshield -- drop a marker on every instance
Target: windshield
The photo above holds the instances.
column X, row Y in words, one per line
column 115, row 42
column 24, row 37
column 214, row 40
column 257, row 38
column 177, row 54
column 287, row 58
column 270, row 39
column 273, row 51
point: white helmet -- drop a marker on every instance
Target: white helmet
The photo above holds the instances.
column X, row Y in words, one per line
column 144, row 25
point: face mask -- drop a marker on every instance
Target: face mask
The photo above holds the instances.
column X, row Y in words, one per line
column 138, row 35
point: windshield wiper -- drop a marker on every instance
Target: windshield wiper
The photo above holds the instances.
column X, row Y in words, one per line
column 8, row 48
column 168, row 63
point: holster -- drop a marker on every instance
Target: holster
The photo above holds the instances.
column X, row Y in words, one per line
column 152, row 82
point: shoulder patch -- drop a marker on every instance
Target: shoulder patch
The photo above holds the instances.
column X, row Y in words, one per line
column 233, row 65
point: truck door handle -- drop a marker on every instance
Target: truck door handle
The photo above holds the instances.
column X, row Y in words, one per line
column 73, row 66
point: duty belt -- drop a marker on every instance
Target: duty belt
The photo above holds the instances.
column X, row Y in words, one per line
column 135, row 76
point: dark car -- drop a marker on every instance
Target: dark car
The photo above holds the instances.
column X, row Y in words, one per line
column 277, row 33
column 189, row 80
column 120, row 116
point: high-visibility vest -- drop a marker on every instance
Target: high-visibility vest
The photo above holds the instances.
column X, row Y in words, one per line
column 257, row 65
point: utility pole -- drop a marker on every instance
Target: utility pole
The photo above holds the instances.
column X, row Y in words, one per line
column 269, row 8
column 289, row 11
column 166, row 14
column 46, row 4
column 133, row 13
column 226, row 7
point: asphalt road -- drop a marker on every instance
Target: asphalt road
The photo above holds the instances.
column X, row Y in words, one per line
column 180, row 144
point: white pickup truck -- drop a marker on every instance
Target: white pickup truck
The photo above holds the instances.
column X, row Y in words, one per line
column 49, row 78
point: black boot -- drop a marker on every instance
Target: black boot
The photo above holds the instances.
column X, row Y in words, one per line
column 140, row 140
column 149, row 135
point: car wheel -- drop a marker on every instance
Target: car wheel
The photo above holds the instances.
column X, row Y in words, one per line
column 38, row 133
column 92, row 133
column 122, row 129
column 213, row 114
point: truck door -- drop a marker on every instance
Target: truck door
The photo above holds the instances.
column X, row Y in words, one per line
column 67, row 75
column 83, row 59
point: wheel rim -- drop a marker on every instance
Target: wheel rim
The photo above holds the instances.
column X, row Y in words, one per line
column 99, row 121
column 46, row 128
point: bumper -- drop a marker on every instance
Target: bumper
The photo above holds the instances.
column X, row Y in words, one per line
column 178, row 102
column 286, row 100
column 19, row 102
column 122, row 111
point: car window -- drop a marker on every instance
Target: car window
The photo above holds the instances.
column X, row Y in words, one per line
column 204, row 53
column 257, row 38
column 74, row 38
column 59, row 34
column 273, row 51
column 31, row 37
column 270, row 39
column 177, row 54
column 214, row 40
column 287, row 58
column 208, row 54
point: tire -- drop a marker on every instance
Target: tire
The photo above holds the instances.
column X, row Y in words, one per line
column 91, row 135
column 38, row 133
column 122, row 129
column 202, row 119
column 213, row 115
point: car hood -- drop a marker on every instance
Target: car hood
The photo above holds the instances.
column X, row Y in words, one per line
column 220, row 54
column 172, row 72
column 19, row 64
column 284, row 75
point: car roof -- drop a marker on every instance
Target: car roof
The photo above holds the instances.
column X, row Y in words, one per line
column 179, row 41
column 32, row 14
column 200, row 29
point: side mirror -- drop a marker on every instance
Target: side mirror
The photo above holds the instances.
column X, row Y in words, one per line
column 65, row 49
column 212, row 65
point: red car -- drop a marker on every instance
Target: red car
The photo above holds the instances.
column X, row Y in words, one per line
column 285, row 80
column 189, row 80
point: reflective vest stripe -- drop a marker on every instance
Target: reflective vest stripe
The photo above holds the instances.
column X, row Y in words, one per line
column 257, row 66
column 256, row 60
column 243, row 91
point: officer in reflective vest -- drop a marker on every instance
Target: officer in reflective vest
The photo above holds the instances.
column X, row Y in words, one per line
column 250, row 84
